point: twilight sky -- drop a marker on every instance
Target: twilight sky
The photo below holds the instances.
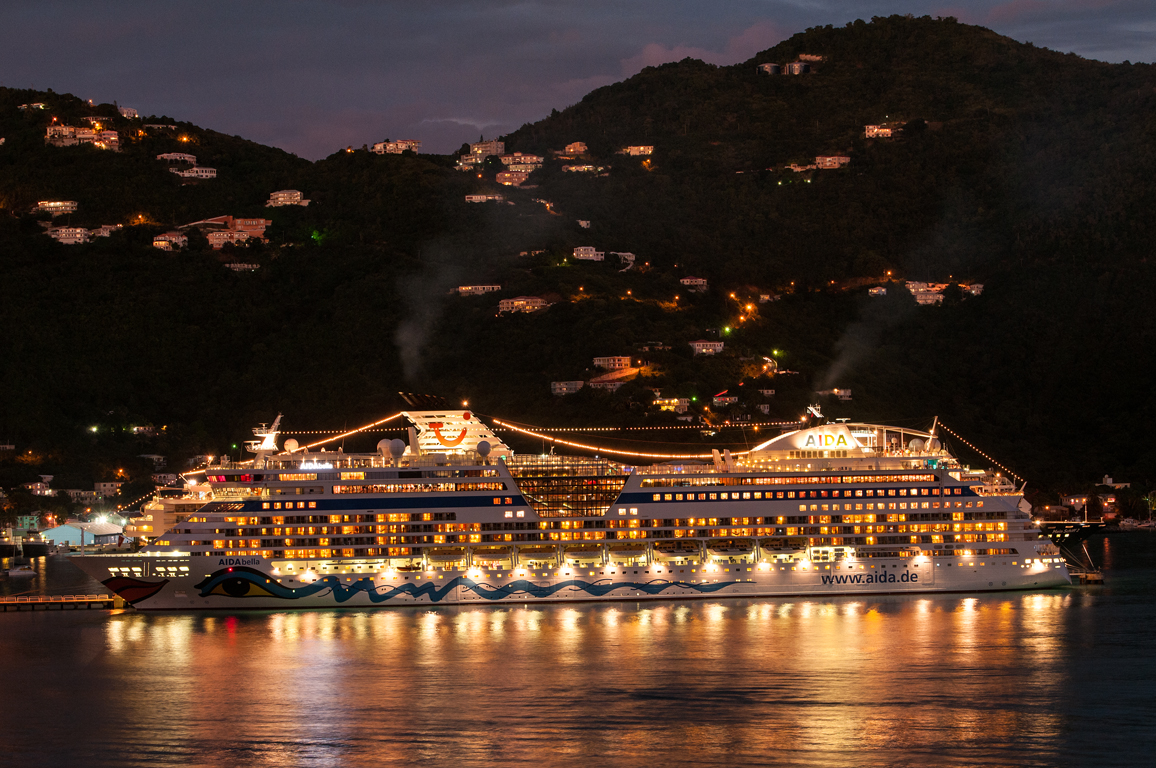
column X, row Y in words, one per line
column 313, row 76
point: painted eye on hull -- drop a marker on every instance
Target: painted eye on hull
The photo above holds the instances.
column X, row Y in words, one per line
column 241, row 582
column 238, row 586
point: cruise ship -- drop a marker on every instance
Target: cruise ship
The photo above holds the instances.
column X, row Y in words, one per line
column 453, row 517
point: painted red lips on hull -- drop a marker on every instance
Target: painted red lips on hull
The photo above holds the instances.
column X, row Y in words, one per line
column 134, row 590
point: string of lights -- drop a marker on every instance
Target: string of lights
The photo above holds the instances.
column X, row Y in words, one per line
column 377, row 423
column 981, row 453
column 665, row 428
column 612, row 451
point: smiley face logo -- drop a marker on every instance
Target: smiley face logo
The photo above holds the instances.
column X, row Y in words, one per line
column 449, row 442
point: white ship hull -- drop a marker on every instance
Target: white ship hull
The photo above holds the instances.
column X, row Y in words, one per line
column 252, row 583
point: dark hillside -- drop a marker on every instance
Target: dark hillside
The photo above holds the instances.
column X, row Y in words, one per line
column 1020, row 168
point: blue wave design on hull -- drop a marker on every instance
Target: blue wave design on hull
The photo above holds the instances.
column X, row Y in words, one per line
column 248, row 582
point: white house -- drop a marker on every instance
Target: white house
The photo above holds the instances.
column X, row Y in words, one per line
column 704, row 347
column 878, row 290
column 831, row 161
column 587, row 253
column 613, row 362
column 694, row 283
column 55, row 207
column 109, row 489
column 876, row 132
column 522, row 304
column 396, row 147
column 477, row 290
column 484, row 198
column 128, row 112
column 285, row 197
column 178, row 157
column 559, row 388
column 676, row 404
column 637, row 151
column 169, row 240
column 68, row 235
column 196, row 173
column 512, row 178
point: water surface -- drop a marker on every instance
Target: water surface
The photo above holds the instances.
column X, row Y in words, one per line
column 1056, row 677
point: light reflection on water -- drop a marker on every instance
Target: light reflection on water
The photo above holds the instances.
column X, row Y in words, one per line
column 1055, row 677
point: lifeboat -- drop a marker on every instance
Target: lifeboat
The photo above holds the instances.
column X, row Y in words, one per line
column 446, row 555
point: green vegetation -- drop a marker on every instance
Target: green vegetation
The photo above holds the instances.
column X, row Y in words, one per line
column 1023, row 169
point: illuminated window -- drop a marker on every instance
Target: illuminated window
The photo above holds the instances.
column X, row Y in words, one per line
column 509, row 513
column 521, row 513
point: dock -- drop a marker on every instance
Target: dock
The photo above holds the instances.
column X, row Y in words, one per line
column 60, row 602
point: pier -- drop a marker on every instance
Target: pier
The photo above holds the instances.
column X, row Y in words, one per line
column 60, row 602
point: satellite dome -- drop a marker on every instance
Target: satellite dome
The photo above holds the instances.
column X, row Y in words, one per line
column 483, row 448
column 382, row 446
column 916, row 445
column 396, row 448
column 933, row 444
column 290, row 445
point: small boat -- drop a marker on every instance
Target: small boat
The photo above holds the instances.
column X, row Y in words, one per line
column 21, row 571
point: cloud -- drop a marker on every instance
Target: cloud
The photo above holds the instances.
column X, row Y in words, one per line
column 755, row 38
column 313, row 76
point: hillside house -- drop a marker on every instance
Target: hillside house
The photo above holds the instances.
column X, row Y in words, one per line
column 55, row 207
column 876, row 132
column 170, row 240
column 626, row 258
column 68, row 235
column 642, row 150
column 107, row 490
column 809, row 57
column 697, row 284
column 975, row 289
column 396, row 147
column 926, row 293
column 226, row 229
column 57, row 135
column 722, row 400
column 196, row 172
column 767, row 392
column 105, row 230
column 704, row 347
column 587, row 253
column 486, row 148
column 609, row 386
column 613, row 362
column 34, row 105
column 800, row 168
column 828, row 162
column 575, row 148
column 484, row 198
column 765, row 298
column 582, row 168
column 675, row 404
column 560, row 388
column 128, row 113
column 522, row 304
column 477, row 290
column 512, row 178
column 178, row 157
column 878, row 290
column 519, row 161
column 584, row 223
column 284, row 197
